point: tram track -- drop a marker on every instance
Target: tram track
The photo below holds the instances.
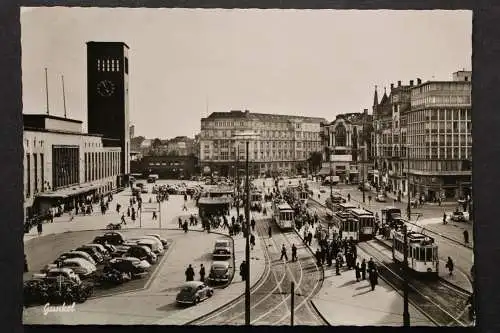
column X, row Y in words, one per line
column 442, row 303
column 270, row 298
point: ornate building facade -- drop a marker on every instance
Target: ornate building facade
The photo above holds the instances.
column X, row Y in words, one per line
column 347, row 147
column 282, row 145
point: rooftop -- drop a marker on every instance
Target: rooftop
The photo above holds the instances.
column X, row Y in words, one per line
column 238, row 114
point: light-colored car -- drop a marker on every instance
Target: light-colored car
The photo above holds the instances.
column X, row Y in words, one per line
column 222, row 249
column 219, row 272
column 80, row 266
column 77, row 254
column 100, row 248
column 460, row 216
column 162, row 240
column 154, row 244
column 55, row 272
column 193, row 292
column 380, row 198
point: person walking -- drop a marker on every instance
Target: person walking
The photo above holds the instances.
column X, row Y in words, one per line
column 39, row 227
column 123, row 219
column 252, row 224
column 180, row 223
column 269, row 232
column 252, row 241
column 318, row 257
column 128, row 211
column 373, row 278
column 349, row 197
column 371, row 265
column 25, row 264
column 450, row 265
column 363, row 269
column 243, row 270
column 358, row 272
column 202, row 273
column 283, row 253
column 185, row 227
column 189, row 273
column 294, row 252
column 444, row 218
column 466, row 237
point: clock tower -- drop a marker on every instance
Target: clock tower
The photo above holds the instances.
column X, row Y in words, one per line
column 107, row 97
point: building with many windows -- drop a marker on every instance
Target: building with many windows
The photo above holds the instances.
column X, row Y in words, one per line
column 347, row 147
column 439, row 136
column 282, row 145
column 62, row 164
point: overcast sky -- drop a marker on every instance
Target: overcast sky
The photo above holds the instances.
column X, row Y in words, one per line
column 187, row 63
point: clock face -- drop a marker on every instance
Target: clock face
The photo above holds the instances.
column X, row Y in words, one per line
column 106, row 88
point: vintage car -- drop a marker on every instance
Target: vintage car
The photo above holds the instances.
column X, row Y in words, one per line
column 162, row 240
column 77, row 254
column 80, row 266
column 53, row 272
column 93, row 252
column 380, row 198
column 460, row 216
column 219, row 272
column 141, row 252
column 101, row 249
column 134, row 266
column 193, row 292
column 222, row 249
column 154, row 244
column 112, row 237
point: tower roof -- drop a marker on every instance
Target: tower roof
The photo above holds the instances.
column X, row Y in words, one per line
column 375, row 97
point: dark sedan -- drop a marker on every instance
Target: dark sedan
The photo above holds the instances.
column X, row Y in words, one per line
column 193, row 292
column 219, row 272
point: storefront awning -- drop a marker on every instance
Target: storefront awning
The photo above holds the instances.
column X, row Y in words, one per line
column 68, row 192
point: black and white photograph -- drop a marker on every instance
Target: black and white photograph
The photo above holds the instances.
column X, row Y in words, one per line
column 247, row 167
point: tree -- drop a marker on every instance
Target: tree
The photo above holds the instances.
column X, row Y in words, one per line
column 315, row 159
column 156, row 143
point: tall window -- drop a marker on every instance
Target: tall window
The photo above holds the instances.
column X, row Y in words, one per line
column 35, row 166
column 340, row 135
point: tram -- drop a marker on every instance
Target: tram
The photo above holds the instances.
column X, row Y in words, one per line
column 363, row 223
column 283, row 215
column 422, row 253
column 303, row 197
column 256, row 201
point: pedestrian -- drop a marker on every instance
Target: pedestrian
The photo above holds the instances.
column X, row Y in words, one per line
column 243, row 270
column 189, row 273
column 39, row 227
column 185, row 226
column 309, row 238
column 202, row 273
column 466, row 237
column 294, row 252
column 128, row 212
column 252, row 241
column 118, row 207
column 337, row 264
column 363, row 269
column 283, row 253
column 450, row 265
column 269, row 232
column 184, row 207
column 373, row 278
column 123, row 219
column 318, row 257
column 349, row 197
column 358, row 272
column 369, row 199
column 444, row 218
column 371, row 265
column 252, row 224
column 154, row 215
column 180, row 223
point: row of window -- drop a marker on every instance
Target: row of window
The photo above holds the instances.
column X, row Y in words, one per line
column 164, row 163
column 439, row 114
column 264, row 134
column 108, row 65
column 439, row 165
column 39, row 184
column 441, row 86
column 225, row 156
column 100, row 165
column 441, row 100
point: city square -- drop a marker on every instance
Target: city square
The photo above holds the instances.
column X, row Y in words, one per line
column 209, row 213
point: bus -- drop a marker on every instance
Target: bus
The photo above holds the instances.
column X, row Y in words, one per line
column 365, row 223
column 283, row 215
column 422, row 253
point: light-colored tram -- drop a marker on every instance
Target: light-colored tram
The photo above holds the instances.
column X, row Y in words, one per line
column 303, row 197
column 422, row 253
column 283, row 215
column 362, row 222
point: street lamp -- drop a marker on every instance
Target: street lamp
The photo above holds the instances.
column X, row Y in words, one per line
column 406, row 312
column 408, row 208
column 247, row 136
column 331, row 172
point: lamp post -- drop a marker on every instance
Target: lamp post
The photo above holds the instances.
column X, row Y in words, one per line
column 247, row 136
column 406, row 312
column 331, row 172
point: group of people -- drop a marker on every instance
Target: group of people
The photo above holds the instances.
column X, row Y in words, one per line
column 190, row 273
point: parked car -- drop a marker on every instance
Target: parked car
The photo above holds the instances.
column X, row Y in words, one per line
column 154, row 244
column 142, row 253
column 219, row 272
column 193, row 292
column 380, row 198
column 134, row 266
column 93, row 252
column 102, row 250
column 77, row 254
column 54, row 272
column 162, row 240
column 111, row 237
column 80, row 266
column 460, row 216
column 222, row 249
column 367, row 187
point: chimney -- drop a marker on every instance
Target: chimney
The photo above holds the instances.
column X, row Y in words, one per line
column 399, row 83
column 419, row 81
column 411, row 83
column 365, row 111
column 392, row 86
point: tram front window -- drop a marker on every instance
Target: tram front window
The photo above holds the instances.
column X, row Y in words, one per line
column 428, row 254
column 434, row 253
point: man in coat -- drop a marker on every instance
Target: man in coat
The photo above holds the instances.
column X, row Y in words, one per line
column 189, row 273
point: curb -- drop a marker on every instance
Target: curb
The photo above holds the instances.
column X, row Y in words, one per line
column 319, row 313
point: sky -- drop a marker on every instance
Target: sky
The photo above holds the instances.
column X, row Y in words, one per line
column 187, row 63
